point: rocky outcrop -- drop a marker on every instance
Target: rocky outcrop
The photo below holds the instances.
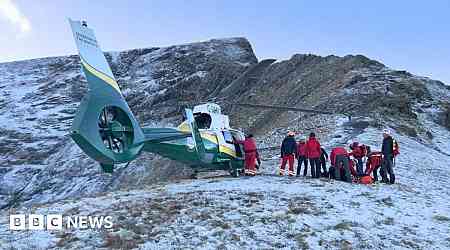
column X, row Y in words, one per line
column 444, row 116
column 352, row 86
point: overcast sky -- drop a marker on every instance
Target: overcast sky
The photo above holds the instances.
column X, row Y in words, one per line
column 410, row 35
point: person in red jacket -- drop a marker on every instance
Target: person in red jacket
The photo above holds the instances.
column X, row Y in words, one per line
column 301, row 157
column 339, row 159
column 358, row 154
column 374, row 160
column 251, row 155
column 313, row 153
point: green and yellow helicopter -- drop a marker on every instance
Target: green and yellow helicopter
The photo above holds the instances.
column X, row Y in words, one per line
column 107, row 131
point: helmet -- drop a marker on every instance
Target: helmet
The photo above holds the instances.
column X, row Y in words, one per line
column 386, row 131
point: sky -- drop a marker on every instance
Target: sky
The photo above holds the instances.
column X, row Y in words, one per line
column 405, row 35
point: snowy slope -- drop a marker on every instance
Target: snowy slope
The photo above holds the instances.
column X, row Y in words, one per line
column 268, row 211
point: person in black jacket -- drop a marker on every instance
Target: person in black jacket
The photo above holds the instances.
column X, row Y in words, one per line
column 323, row 162
column 387, row 149
column 288, row 149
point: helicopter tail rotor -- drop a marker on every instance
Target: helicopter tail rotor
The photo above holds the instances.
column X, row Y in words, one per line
column 104, row 126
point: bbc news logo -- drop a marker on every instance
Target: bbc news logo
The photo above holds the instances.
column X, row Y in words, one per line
column 57, row 222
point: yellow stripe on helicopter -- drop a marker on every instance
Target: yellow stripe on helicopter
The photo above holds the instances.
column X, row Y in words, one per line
column 100, row 75
column 227, row 150
column 184, row 127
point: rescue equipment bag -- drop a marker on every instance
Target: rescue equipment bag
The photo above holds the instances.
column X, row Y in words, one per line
column 367, row 179
column 395, row 148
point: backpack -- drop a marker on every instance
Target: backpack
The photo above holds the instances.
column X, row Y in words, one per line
column 395, row 147
column 375, row 159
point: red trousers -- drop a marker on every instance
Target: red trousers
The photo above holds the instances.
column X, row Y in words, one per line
column 250, row 163
column 285, row 159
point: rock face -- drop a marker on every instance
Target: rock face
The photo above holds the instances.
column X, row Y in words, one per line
column 39, row 163
column 445, row 117
column 352, row 86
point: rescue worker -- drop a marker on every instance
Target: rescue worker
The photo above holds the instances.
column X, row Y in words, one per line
column 251, row 155
column 374, row 161
column 301, row 157
column 288, row 149
column 340, row 159
column 313, row 153
column 387, row 149
column 358, row 154
column 323, row 162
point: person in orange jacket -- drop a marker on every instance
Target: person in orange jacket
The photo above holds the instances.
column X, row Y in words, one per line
column 251, row 155
column 313, row 153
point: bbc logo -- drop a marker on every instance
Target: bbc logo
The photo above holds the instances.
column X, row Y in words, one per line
column 56, row 222
column 35, row 222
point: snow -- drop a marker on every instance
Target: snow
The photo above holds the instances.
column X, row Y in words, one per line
column 200, row 74
column 268, row 211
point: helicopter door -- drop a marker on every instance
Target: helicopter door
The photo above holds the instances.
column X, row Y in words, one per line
column 238, row 147
column 226, row 143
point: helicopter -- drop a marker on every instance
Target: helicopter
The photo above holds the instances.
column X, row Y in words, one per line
column 107, row 131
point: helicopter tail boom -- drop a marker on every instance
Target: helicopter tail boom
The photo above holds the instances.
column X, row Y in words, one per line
column 104, row 126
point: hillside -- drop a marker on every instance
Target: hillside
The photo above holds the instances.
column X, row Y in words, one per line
column 40, row 163
column 156, row 206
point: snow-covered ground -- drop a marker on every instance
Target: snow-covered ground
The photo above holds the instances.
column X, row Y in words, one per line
column 266, row 212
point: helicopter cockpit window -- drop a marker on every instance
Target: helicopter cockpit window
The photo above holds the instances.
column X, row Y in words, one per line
column 203, row 120
column 228, row 137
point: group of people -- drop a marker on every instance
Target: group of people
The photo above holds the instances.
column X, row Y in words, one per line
column 343, row 162
column 305, row 152
column 309, row 153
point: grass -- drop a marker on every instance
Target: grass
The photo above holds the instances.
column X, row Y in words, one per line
column 388, row 221
column 387, row 201
column 301, row 205
column 300, row 239
column 117, row 241
column 219, row 224
column 409, row 244
column 355, row 204
column 441, row 218
column 345, row 225
column 65, row 239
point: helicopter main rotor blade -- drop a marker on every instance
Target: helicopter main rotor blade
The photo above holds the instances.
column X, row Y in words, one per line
column 260, row 106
